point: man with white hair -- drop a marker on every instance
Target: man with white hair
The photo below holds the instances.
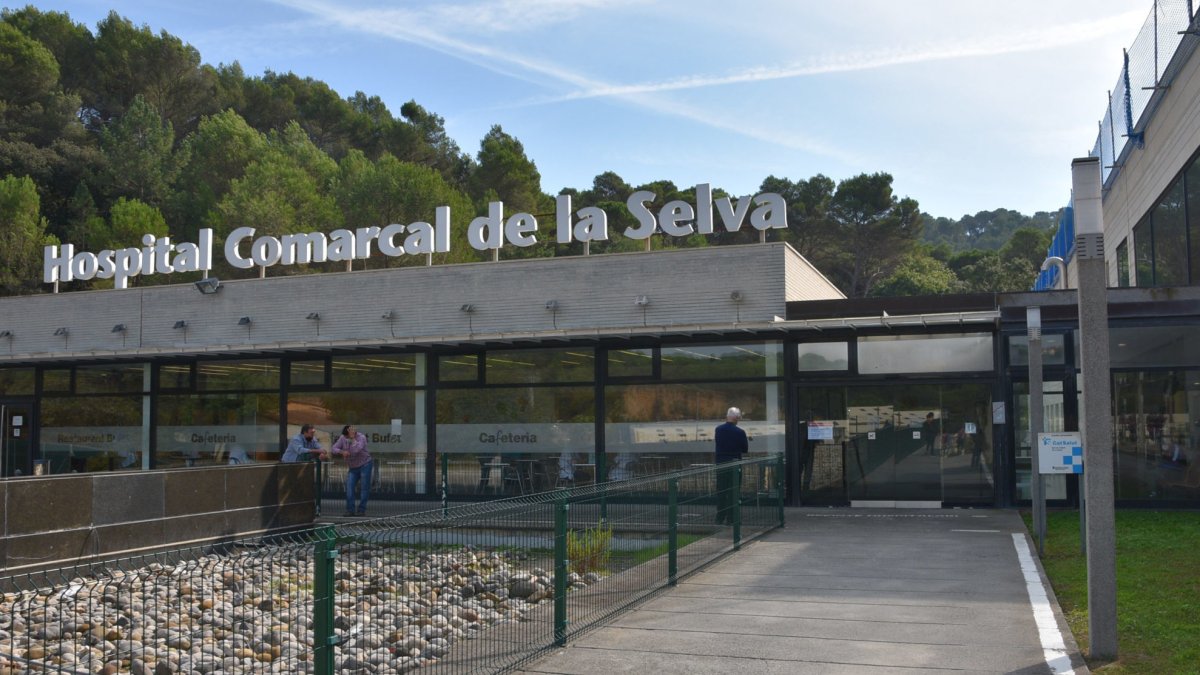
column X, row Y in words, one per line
column 731, row 444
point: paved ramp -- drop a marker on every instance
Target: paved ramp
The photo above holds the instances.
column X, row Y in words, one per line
column 846, row 591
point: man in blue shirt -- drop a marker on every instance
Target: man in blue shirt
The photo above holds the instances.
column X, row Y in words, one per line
column 731, row 444
column 304, row 443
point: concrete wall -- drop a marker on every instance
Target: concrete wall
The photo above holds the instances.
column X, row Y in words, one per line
column 1171, row 137
column 684, row 286
column 64, row 518
column 805, row 282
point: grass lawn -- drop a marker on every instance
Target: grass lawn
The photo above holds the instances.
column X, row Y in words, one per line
column 1158, row 588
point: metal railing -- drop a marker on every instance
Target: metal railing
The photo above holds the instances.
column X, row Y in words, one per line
column 481, row 587
column 1148, row 68
column 1145, row 73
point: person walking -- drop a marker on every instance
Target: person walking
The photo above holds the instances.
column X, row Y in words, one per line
column 353, row 445
column 731, row 443
column 302, row 445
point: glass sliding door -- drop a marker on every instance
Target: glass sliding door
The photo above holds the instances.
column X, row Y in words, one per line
column 902, row 445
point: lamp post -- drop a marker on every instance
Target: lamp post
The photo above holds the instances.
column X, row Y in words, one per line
column 1097, row 408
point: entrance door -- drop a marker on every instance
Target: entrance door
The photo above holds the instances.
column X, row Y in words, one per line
column 16, row 428
column 912, row 445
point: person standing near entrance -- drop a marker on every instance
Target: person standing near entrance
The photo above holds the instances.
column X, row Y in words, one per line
column 353, row 445
column 928, row 432
column 731, row 443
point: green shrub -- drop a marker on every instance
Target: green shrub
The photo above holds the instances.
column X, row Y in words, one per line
column 589, row 549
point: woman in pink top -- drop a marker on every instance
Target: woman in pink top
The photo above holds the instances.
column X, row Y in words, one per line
column 353, row 445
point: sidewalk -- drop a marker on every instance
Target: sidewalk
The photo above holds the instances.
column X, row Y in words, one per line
column 844, row 591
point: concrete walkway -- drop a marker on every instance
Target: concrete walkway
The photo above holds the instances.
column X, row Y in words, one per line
column 846, row 591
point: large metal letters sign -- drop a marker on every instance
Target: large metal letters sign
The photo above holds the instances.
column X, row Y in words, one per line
column 159, row 255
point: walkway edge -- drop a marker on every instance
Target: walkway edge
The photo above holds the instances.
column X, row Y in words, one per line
column 1058, row 642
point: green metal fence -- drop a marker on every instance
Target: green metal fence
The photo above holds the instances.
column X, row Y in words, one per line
column 481, row 587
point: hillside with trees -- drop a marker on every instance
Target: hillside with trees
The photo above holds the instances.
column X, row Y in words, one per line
column 113, row 133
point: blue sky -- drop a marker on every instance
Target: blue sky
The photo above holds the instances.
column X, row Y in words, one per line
column 969, row 105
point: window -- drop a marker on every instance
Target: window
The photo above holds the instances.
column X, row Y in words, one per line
column 650, row 428
column 237, row 375
column 392, row 421
column 56, row 380
column 1144, row 346
column 383, row 370
column 1054, row 351
column 630, row 362
column 16, row 381
column 516, row 439
column 112, row 379
column 924, row 354
column 819, row 356
column 1193, row 212
column 1123, row 264
column 175, row 377
column 307, row 373
column 1156, row 434
column 717, row 362
column 1143, row 254
column 458, row 368
column 206, row 429
column 94, row 433
column 521, row 366
column 1170, row 238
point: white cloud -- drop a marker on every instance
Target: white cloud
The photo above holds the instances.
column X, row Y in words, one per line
column 432, row 28
column 1049, row 37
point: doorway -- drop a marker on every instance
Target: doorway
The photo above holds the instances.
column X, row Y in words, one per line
column 16, row 438
column 905, row 446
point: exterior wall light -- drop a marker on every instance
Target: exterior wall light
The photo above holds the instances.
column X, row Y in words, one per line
column 736, row 297
column 208, row 286
column 468, row 309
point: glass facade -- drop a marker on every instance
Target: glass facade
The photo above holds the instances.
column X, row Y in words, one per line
column 870, row 421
